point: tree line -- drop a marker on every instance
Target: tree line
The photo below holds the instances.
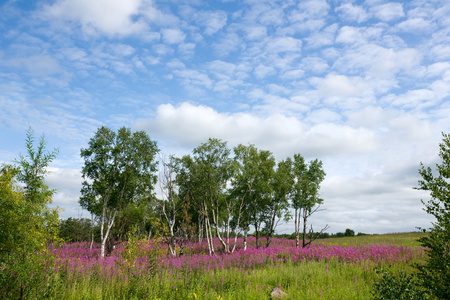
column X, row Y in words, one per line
column 214, row 193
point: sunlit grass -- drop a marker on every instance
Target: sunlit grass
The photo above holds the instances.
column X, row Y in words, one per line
column 333, row 269
column 311, row 280
column 407, row 239
column 330, row 269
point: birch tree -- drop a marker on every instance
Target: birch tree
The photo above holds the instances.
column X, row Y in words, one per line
column 251, row 185
column 277, row 206
column 305, row 194
column 118, row 169
column 169, row 206
column 205, row 177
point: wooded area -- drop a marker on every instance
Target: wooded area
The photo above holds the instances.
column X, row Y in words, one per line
column 214, row 192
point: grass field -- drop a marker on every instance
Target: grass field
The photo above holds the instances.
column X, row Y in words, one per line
column 341, row 268
column 408, row 238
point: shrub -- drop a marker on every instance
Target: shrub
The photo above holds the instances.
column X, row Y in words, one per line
column 398, row 287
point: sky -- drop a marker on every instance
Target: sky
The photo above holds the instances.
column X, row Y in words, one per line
column 363, row 86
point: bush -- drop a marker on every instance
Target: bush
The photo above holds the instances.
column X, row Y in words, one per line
column 398, row 287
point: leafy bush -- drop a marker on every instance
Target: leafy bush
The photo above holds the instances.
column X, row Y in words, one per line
column 398, row 287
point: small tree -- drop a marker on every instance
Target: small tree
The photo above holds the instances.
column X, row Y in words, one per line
column 349, row 232
column 40, row 221
column 27, row 224
column 305, row 195
column 435, row 273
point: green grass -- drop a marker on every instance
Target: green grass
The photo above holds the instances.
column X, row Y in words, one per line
column 330, row 279
column 406, row 239
column 312, row 280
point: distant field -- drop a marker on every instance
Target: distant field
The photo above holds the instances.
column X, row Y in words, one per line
column 407, row 239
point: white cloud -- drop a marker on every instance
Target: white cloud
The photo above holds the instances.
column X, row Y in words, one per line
column 122, row 49
column 193, row 78
column 440, row 52
column 173, row 35
column 99, row 15
column 176, row 64
column 188, row 126
column 311, row 9
column 378, row 62
column 349, row 35
column 415, row 25
column 284, row 44
column 36, row 64
column 315, row 64
column 221, row 68
column 255, row 32
column 212, row 21
column 226, row 44
column 388, row 12
column 262, row 71
column 293, row 74
column 350, row 12
column 334, row 85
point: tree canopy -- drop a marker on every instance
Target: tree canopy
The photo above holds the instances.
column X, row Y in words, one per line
column 119, row 168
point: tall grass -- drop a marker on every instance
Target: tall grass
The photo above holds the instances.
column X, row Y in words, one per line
column 142, row 270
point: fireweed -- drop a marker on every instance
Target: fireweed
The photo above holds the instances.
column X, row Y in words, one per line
column 81, row 259
column 319, row 271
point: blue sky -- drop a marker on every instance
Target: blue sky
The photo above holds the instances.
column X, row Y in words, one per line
column 361, row 85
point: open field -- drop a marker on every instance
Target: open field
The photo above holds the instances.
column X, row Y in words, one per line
column 330, row 269
column 407, row 238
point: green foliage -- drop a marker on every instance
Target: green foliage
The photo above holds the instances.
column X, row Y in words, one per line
column 349, row 232
column 27, row 224
column 27, row 277
column 402, row 286
column 119, row 168
column 78, row 230
column 251, row 184
column 308, row 178
column 435, row 273
column 12, row 206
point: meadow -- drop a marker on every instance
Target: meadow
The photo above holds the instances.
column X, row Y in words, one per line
column 340, row 268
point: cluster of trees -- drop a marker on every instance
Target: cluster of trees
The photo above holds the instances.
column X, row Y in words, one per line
column 215, row 192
